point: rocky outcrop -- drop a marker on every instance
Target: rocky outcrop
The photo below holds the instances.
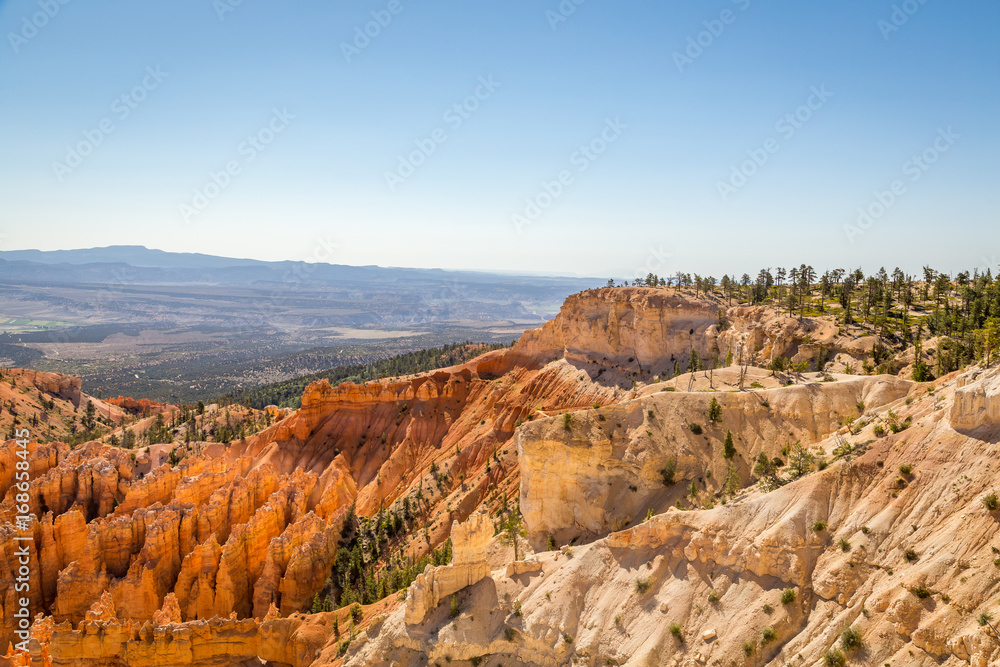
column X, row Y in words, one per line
column 644, row 331
column 54, row 384
column 601, row 470
column 215, row 643
column 469, row 566
column 977, row 400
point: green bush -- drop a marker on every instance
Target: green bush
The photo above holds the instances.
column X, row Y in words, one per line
column 991, row 502
column 768, row 636
column 676, row 631
column 850, row 639
column 788, row 596
column 834, row 658
column 641, row 586
column 921, row 592
column 905, row 469
column 695, row 428
column 819, row 526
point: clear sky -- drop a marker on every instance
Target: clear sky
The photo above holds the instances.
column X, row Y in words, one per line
column 115, row 116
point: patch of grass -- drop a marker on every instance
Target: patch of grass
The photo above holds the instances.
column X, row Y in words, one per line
column 749, row 648
column 819, row 526
column 906, row 469
column 845, row 546
column 641, row 586
column 910, row 555
column 713, row 597
column 788, row 596
column 768, row 636
column 767, row 609
column 677, row 631
column 985, row 618
column 453, row 612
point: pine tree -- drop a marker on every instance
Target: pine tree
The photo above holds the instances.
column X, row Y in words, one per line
column 729, row 449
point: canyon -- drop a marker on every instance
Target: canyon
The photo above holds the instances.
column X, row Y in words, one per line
column 651, row 533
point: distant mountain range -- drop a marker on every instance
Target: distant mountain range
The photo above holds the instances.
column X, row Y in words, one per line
column 135, row 284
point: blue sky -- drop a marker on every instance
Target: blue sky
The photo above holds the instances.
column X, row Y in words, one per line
column 667, row 122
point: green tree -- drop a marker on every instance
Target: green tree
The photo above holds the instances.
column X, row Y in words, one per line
column 714, row 411
column 511, row 530
column 729, row 449
column 733, row 483
column 801, row 459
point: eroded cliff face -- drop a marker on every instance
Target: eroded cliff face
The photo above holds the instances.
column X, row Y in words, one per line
column 892, row 538
column 602, row 470
column 640, row 332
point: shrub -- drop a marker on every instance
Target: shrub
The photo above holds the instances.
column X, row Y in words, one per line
column 865, row 530
column 454, row 606
column 356, row 613
column 985, row 618
column 767, row 609
column 991, row 502
column 517, row 608
column 845, row 546
column 668, row 472
column 618, row 619
column 695, row 428
column 768, row 636
column 552, row 543
column 567, row 421
column 921, row 592
column 788, row 596
column 910, row 555
column 905, row 469
column 508, row 634
column 850, row 639
column 568, row 638
column 834, row 658
column 713, row 597
column 748, row 649
column 641, row 586
column 879, row 431
column 819, row 526
column 676, row 631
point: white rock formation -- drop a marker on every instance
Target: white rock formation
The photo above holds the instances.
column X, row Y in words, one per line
column 468, row 567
